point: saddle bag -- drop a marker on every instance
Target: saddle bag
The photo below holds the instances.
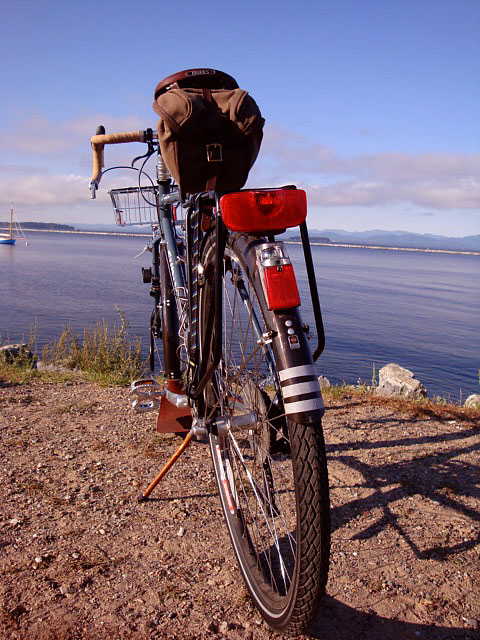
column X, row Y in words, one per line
column 209, row 138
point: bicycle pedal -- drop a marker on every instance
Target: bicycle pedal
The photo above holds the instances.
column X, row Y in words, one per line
column 145, row 387
column 144, row 405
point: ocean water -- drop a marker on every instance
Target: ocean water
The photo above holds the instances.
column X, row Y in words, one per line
column 419, row 310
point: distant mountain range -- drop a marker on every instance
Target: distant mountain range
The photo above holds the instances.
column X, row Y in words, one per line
column 377, row 237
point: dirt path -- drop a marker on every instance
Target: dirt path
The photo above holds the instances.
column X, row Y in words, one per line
column 80, row 558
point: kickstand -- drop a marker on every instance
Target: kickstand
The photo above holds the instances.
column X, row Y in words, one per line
column 166, row 468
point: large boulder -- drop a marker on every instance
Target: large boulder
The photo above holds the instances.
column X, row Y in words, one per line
column 473, row 401
column 394, row 380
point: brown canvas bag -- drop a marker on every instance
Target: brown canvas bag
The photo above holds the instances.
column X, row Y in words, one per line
column 209, row 138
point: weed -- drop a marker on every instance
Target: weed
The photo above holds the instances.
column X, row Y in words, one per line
column 337, row 391
column 99, row 565
column 151, row 449
column 103, row 355
column 9, row 616
column 78, row 408
column 374, row 376
column 34, row 487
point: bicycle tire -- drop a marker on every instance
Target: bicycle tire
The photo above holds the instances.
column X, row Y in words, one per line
column 272, row 479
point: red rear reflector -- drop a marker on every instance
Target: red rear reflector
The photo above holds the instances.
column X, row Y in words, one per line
column 269, row 210
column 281, row 287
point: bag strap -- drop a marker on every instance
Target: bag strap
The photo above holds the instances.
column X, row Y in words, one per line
column 196, row 79
column 212, row 150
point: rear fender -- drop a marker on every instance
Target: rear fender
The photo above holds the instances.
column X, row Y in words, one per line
column 298, row 378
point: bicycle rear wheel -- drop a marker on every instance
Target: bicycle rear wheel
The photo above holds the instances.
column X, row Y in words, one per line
column 271, row 472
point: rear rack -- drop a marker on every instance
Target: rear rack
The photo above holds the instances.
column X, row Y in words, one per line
column 135, row 205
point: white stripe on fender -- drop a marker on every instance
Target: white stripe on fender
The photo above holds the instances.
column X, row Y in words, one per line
column 300, row 389
column 296, row 372
column 303, row 405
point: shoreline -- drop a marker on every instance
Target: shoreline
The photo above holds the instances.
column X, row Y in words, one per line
column 380, row 248
column 314, row 244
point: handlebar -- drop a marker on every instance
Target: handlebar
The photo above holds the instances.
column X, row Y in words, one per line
column 98, row 142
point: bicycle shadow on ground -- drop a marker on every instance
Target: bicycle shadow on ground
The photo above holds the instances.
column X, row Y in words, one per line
column 396, row 483
column 338, row 621
column 181, row 497
column 440, row 476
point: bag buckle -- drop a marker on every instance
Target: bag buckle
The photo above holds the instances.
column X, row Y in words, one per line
column 214, row 152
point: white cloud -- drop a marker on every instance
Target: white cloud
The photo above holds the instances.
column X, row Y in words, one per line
column 40, row 190
column 437, row 180
column 37, row 192
column 52, row 161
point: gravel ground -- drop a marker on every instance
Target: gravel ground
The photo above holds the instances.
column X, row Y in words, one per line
column 81, row 558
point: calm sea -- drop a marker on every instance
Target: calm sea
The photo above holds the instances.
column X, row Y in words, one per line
column 419, row 310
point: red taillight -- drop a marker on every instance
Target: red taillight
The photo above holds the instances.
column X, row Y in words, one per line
column 281, row 287
column 268, row 210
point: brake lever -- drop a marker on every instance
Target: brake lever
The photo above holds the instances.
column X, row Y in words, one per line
column 150, row 151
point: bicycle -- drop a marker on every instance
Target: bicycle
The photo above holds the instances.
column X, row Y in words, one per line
column 238, row 372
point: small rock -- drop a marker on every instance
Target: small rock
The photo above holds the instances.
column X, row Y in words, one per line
column 38, row 559
column 223, row 627
column 66, row 589
column 181, row 532
column 324, row 382
column 472, row 622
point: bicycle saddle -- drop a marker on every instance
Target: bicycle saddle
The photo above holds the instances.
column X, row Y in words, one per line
column 197, row 79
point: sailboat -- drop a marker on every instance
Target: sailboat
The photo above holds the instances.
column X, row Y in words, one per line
column 8, row 238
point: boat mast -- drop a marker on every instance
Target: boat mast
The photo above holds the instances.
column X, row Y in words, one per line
column 11, row 221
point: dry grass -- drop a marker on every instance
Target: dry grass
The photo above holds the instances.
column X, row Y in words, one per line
column 436, row 408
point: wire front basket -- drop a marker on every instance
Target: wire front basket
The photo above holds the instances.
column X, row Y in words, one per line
column 135, row 205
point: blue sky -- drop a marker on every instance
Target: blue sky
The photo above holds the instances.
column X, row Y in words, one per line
column 371, row 106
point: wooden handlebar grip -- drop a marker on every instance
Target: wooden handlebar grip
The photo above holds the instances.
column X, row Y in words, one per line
column 116, row 138
column 98, row 143
column 97, row 162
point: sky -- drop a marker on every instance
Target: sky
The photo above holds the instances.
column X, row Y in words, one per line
column 371, row 106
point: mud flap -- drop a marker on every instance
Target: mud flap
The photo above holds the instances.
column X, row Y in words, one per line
column 171, row 418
